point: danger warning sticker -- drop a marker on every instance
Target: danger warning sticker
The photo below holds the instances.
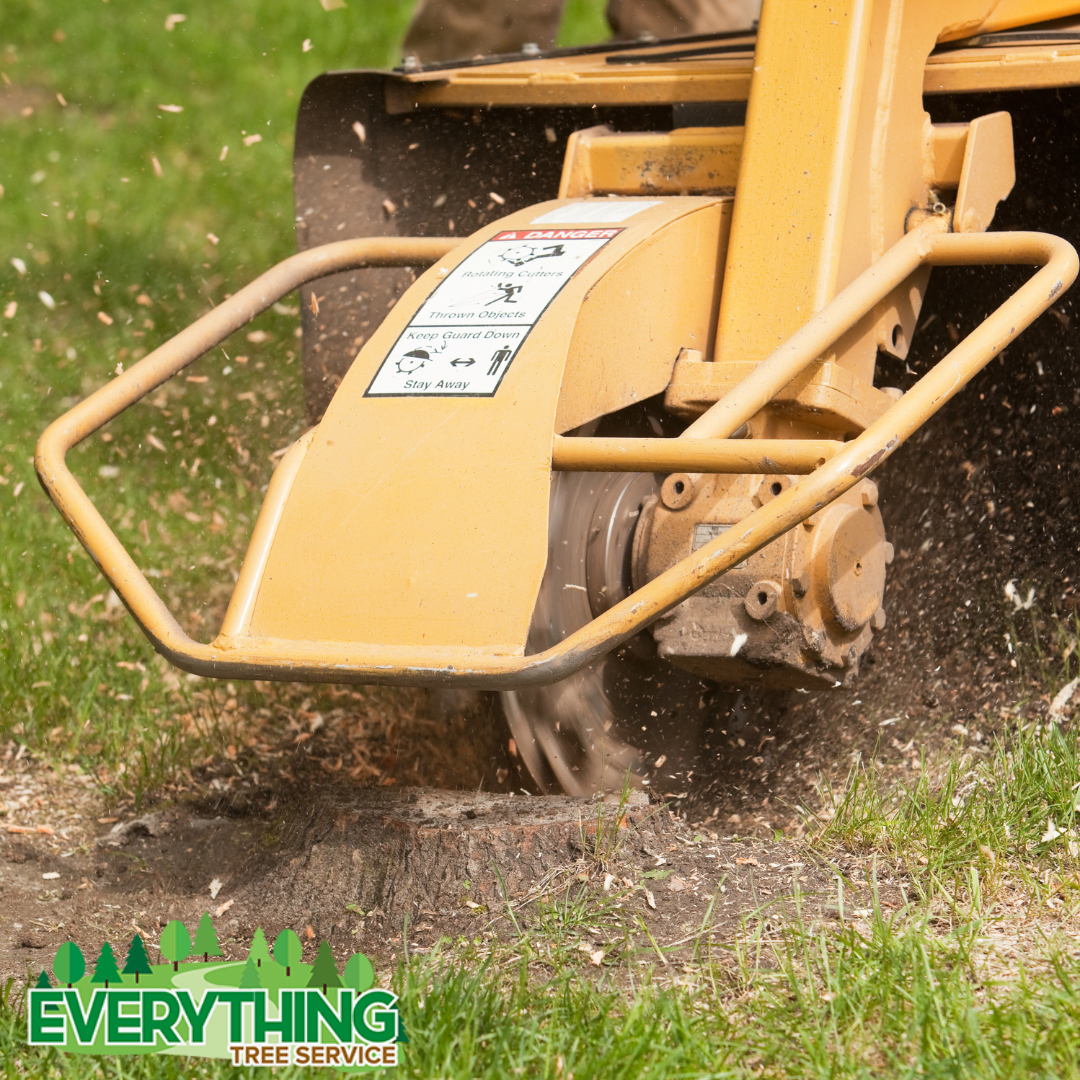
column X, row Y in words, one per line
column 465, row 336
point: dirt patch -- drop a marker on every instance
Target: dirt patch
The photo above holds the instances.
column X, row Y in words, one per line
column 380, row 870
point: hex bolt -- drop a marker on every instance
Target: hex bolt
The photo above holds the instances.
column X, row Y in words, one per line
column 877, row 620
column 530, row 48
column 869, row 494
column 800, row 584
column 889, row 553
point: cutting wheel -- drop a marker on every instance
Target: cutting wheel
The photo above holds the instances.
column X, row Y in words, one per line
column 630, row 714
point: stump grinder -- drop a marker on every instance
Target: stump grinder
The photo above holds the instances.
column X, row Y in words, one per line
column 590, row 338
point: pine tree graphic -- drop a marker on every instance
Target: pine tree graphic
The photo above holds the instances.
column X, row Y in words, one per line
column 259, row 950
column 43, row 982
column 106, row 971
column 137, row 963
column 206, row 941
column 250, row 979
column 324, row 973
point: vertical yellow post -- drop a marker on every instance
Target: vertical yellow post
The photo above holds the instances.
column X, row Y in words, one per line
column 832, row 161
column 794, row 175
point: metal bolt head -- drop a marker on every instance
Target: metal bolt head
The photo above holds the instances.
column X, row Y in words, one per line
column 869, row 494
column 410, row 63
column 877, row 620
column 800, row 584
column 530, row 48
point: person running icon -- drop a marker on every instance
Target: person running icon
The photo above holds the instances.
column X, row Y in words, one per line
column 499, row 359
column 509, row 291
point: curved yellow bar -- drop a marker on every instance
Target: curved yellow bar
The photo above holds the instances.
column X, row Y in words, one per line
column 486, row 667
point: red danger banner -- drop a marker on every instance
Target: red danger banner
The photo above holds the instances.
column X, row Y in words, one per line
column 558, row 234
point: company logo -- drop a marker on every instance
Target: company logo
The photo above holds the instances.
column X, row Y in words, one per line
column 271, row 1009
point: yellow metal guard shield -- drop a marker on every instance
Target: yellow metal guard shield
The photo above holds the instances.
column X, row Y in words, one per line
column 419, row 519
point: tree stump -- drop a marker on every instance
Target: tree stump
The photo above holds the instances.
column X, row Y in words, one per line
column 417, row 852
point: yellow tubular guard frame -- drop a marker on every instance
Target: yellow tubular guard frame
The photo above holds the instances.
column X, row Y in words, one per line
column 705, row 447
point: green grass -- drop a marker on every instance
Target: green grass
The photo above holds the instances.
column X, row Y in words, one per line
column 888, row 997
column 990, row 818
column 98, row 230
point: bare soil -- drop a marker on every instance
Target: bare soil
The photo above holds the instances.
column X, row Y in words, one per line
column 382, row 869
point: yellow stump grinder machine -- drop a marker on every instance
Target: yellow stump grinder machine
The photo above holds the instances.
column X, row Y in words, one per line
column 591, row 340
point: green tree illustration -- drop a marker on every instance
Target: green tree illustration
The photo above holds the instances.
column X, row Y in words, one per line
column 259, row 950
column 250, row 979
column 68, row 964
column 206, row 941
column 43, row 983
column 287, row 950
column 359, row 974
column 106, row 971
column 175, row 943
column 137, row 963
column 324, row 973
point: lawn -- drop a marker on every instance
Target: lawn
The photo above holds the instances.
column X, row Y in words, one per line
column 122, row 218
column 146, row 173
